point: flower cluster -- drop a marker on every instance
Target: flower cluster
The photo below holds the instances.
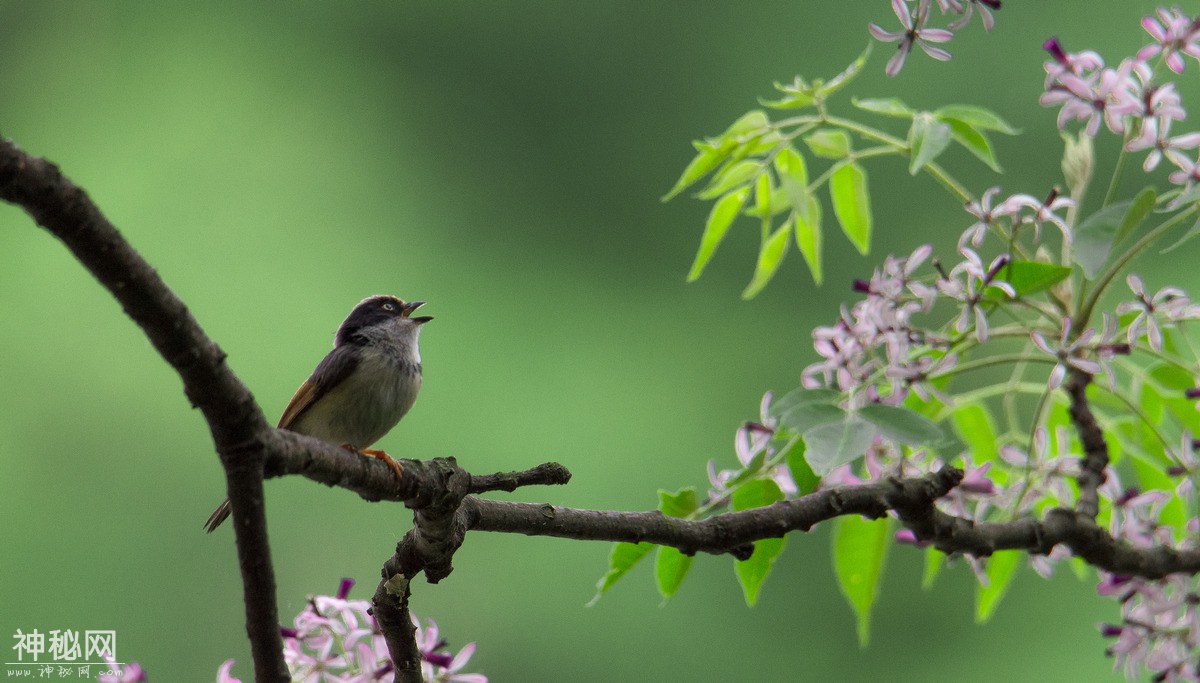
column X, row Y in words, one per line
column 1033, row 297
column 336, row 639
column 915, row 29
column 1130, row 100
column 921, row 324
column 1159, row 629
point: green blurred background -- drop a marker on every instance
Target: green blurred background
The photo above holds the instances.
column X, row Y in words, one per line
column 503, row 162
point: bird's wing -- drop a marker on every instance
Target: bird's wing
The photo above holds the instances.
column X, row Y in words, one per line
column 333, row 369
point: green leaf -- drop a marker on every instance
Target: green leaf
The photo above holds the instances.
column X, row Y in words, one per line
column 1031, row 277
column 793, row 177
column 829, row 445
column 1142, row 205
column 934, row 559
column 975, row 427
column 792, row 99
column 859, row 551
column 775, row 205
column 704, row 162
column 1095, row 235
column 753, row 121
column 808, row 237
column 670, row 565
column 900, row 424
column 756, row 494
column 620, row 561
column 806, row 210
column 806, row 480
column 888, row 106
column 679, row 504
column 839, row 81
column 828, row 143
column 762, row 193
column 927, row 138
column 975, row 142
column 805, row 416
column 801, row 396
column 852, row 204
column 769, row 258
column 723, row 213
column 1001, row 568
column 753, row 572
column 731, row 177
column 977, row 117
column 670, row 569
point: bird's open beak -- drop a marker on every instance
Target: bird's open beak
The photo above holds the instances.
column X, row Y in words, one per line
column 411, row 306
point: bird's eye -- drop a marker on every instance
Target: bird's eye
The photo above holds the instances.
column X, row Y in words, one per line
column 388, row 307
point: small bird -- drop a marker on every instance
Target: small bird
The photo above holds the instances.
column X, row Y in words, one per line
column 362, row 388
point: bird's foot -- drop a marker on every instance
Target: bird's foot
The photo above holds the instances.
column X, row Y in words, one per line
column 387, row 460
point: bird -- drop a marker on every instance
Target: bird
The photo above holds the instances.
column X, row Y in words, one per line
column 363, row 387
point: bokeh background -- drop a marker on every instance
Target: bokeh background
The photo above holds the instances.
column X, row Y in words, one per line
column 279, row 162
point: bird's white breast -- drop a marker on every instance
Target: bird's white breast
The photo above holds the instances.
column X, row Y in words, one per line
column 369, row 402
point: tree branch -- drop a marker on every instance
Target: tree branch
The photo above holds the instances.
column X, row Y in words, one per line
column 1095, row 450
column 234, row 418
column 731, row 532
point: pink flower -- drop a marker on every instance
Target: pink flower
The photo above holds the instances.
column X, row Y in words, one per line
column 1175, row 35
column 914, row 32
column 224, row 675
column 127, row 673
column 1069, row 353
column 1154, row 135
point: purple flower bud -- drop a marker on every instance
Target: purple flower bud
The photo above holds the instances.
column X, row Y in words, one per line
column 288, row 632
column 1194, row 392
column 1110, row 630
column 344, row 589
column 1055, row 49
column 861, row 286
column 997, row 265
column 437, row 659
column 1124, row 498
column 907, row 536
column 1177, row 470
column 1051, row 197
column 937, row 264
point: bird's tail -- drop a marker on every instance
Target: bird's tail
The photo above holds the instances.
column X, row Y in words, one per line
column 218, row 516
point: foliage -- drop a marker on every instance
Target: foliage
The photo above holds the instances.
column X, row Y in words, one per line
column 962, row 359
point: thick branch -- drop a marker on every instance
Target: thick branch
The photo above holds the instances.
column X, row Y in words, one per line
column 732, row 532
column 1095, row 450
column 234, row 419
column 292, row 453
